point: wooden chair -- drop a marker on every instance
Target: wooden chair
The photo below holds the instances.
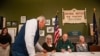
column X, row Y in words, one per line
column 94, row 48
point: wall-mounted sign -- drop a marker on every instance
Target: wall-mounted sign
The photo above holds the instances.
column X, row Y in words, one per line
column 74, row 16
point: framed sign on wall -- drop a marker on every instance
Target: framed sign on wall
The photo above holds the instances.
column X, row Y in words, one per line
column 8, row 24
column 23, row 19
column 42, row 32
column 2, row 22
column 14, row 23
column 47, row 22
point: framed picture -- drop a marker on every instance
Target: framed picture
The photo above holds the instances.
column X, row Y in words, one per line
column 12, row 32
column 47, row 22
column 42, row 32
column 8, row 24
column 23, row 19
column 14, row 23
column 2, row 22
column 53, row 21
column 19, row 27
column 50, row 29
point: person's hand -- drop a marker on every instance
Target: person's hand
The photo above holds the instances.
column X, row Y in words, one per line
column 41, row 54
column 44, row 54
column 4, row 46
column 44, row 51
column 0, row 44
column 63, row 50
column 53, row 51
column 69, row 50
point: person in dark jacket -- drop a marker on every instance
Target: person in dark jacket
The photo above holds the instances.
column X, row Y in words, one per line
column 64, row 45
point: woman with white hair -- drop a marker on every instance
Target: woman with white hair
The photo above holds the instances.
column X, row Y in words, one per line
column 81, row 46
column 48, row 44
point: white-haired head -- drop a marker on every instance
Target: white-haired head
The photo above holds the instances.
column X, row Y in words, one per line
column 41, row 20
column 81, row 38
column 48, row 38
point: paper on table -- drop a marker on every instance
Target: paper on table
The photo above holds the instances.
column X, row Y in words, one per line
column 63, row 54
column 70, row 54
column 84, row 54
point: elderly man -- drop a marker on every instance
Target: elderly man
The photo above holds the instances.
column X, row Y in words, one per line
column 27, row 38
column 64, row 44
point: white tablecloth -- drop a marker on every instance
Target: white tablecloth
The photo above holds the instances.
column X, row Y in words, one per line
column 73, row 54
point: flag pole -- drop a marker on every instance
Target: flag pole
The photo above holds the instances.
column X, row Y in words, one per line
column 57, row 12
column 94, row 9
column 62, row 16
column 93, row 26
column 95, row 29
column 56, row 29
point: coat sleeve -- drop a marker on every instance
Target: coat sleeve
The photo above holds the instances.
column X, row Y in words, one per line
column 58, row 47
column 77, row 48
column 38, row 46
column 71, row 46
column 30, row 30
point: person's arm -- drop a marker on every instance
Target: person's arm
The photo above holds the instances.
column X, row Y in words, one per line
column 30, row 30
column 9, row 39
column 39, row 47
column 6, row 44
column 77, row 48
column 71, row 46
column 58, row 47
column 44, row 45
column 53, row 46
column 85, row 47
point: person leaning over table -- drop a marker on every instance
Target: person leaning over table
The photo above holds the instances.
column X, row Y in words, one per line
column 27, row 38
column 48, row 45
column 81, row 46
column 64, row 44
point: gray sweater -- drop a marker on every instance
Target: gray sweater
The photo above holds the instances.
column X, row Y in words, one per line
column 81, row 47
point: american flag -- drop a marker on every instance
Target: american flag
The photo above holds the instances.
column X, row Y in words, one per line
column 56, row 30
